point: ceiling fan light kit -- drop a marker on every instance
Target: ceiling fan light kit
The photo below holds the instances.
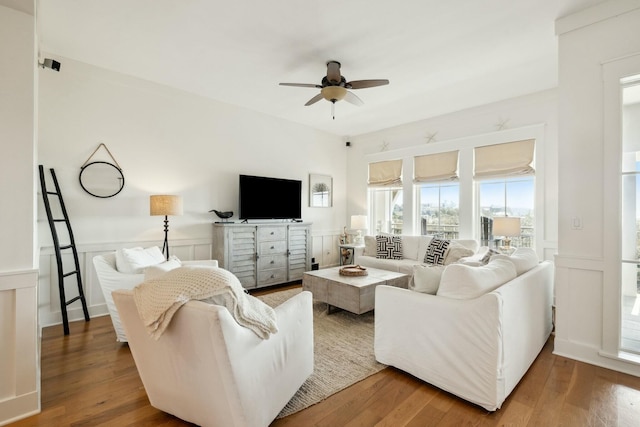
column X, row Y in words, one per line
column 333, row 93
column 334, row 87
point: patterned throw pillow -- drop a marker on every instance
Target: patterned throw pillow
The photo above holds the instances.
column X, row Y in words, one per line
column 436, row 251
column 389, row 247
column 487, row 257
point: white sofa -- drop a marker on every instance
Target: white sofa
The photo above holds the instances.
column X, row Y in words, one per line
column 111, row 279
column 477, row 348
column 210, row 371
column 414, row 249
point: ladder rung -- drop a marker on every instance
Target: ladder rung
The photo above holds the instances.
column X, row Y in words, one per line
column 59, row 220
column 53, row 192
column 70, row 273
column 72, row 300
column 66, row 247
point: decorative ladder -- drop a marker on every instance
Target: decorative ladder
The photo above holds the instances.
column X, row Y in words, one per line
column 58, row 249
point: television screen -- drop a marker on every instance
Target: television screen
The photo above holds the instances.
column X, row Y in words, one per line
column 270, row 198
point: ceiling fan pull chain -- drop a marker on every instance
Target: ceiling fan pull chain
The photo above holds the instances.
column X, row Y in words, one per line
column 333, row 109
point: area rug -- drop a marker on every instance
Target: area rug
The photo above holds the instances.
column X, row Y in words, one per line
column 343, row 352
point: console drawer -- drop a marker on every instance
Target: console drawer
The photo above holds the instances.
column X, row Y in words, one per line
column 267, row 277
column 272, row 233
column 271, row 262
column 273, row 248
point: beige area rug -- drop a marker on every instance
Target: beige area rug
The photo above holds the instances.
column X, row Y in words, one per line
column 343, row 352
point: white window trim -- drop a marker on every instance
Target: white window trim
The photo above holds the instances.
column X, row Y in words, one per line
column 468, row 206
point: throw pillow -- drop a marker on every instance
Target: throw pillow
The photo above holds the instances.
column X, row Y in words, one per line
column 487, row 256
column 134, row 260
column 524, row 259
column 426, row 278
column 437, row 251
column 455, row 252
column 461, row 281
column 389, row 247
column 369, row 246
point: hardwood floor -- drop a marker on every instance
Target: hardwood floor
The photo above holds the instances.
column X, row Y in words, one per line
column 88, row 379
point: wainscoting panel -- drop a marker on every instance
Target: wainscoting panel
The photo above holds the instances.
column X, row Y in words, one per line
column 49, row 295
column 580, row 320
column 19, row 355
column 325, row 250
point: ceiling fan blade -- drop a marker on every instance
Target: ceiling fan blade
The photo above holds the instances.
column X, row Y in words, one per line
column 301, row 85
column 313, row 100
column 353, row 99
column 361, row 84
column 333, row 71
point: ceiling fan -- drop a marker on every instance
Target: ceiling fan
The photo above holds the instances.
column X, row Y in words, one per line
column 334, row 87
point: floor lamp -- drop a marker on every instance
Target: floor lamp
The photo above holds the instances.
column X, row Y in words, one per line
column 166, row 205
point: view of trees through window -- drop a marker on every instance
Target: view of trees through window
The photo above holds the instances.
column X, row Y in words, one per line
column 512, row 197
column 439, row 209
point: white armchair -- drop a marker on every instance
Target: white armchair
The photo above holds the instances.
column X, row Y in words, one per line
column 111, row 279
column 209, row 370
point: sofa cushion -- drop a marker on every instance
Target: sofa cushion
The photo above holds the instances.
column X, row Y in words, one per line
column 426, row 278
column 455, row 252
column 410, row 245
column 134, row 260
column 389, row 247
column 524, row 259
column 370, row 246
column 461, row 281
column 437, row 251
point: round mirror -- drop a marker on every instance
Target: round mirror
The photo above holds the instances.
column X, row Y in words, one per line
column 101, row 179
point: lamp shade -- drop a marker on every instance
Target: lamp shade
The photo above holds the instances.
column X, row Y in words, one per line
column 163, row 204
column 359, row 222
column 507, row 226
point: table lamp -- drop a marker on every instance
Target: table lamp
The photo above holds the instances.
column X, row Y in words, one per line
column 359, row 223
column 506, row 226
column 163, row 204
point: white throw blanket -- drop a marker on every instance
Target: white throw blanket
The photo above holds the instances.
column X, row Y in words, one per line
column 158, row 299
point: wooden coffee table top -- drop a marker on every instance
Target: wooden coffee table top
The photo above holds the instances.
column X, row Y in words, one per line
column 374, row 276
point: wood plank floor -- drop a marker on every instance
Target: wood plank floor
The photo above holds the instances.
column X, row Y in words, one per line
column 88, row 379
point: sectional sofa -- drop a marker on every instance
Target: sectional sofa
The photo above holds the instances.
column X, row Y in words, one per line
column 472, row 327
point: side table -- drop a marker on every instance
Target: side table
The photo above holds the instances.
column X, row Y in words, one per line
column 347, row 253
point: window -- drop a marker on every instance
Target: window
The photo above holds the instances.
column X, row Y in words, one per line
column 512, row 197
column 506, row 187
column 630, row 218
column 386, row 210
column 439, row 209
column 385, row 195
column 436, row 176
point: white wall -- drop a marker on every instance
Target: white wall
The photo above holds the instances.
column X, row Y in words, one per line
column 19, row 387
column 588, row 261
column 531, row 116
column 168, row 141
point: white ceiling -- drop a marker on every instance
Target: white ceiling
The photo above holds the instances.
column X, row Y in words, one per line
column 440, row 56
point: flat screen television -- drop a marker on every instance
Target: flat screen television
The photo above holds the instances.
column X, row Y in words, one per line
column 270, row 198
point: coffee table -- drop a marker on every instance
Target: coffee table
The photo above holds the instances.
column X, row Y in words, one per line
column 352, row 293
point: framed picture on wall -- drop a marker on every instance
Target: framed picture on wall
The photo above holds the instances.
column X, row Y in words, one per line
column 320, row 191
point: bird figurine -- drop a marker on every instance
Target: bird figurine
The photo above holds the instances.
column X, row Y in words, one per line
column 224, row 216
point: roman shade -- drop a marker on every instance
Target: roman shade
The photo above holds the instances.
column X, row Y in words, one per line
column 385, row 174
column 504, row 160
column 436, row 167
